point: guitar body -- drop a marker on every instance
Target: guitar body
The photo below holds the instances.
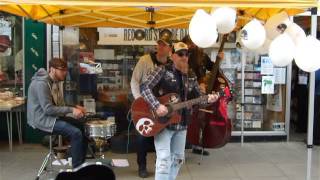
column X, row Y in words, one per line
column 211, row 127
column 218, row 126
column 145, row 119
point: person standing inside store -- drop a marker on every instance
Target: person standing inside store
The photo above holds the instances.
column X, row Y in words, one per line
column 302, row 102
column 172, row 78
column 145, row 66
column 200, row 63
column 316, row 125
column 47, row 111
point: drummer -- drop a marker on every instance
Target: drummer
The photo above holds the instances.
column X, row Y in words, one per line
column 47, row 110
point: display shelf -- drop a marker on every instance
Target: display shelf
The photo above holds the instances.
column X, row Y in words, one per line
column 253, row 100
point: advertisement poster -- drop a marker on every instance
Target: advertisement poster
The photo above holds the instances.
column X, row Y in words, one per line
column 279, row 75
column 266, row 66
column 267, row 86
column 274, row 101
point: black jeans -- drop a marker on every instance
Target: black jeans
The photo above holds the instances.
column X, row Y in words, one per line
column 144, row 144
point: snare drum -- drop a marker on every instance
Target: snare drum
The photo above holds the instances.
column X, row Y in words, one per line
column 100, row 129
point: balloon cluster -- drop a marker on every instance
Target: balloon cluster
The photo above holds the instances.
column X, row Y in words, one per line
column 204, row 27
column 281, row 38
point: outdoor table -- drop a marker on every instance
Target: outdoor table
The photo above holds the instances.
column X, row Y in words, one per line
column 17, row 108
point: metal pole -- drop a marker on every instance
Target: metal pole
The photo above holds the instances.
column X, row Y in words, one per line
column 309, row 164
column 60, row 42
column 23, row 58
column 49, row 44
column 288, row 101
column 243, row 64
column 311, row 84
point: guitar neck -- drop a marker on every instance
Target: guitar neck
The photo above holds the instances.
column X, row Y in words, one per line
column 189, row 103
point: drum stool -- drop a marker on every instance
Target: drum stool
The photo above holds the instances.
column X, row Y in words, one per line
column 50, row 157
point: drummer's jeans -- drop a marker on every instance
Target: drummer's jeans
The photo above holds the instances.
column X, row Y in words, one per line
column 170, row 147
column 74, row 132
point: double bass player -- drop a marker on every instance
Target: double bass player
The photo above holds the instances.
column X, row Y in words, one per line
column 200, row 63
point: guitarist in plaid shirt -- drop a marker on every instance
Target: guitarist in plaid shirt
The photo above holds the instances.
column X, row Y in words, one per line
column 172, row 78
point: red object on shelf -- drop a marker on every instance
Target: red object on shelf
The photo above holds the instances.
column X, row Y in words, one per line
column 4, row 43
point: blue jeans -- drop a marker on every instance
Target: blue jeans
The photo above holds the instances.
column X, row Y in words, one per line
column 170, row 147
column 78, row 142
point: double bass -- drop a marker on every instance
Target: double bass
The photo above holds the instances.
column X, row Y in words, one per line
column 210, row 127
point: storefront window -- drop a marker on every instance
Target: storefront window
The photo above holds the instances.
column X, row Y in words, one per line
column 264, row 86
column 11, row 53
column 264, row 91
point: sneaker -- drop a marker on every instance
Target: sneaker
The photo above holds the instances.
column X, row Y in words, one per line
column 143, row 173
column 199, row 151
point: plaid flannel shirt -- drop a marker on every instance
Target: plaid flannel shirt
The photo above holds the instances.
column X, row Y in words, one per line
column 161, row 73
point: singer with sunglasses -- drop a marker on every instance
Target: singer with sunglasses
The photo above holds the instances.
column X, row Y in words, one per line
column 172, row 78
column 143, row 68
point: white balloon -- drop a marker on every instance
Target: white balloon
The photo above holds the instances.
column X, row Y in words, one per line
column 273, row 22
column 239, row 44
column 203, row 29
column 282, row 50
column 264, row 49
column 225, row 19
column 307, row 54
column 296, row 33
column 253, row 35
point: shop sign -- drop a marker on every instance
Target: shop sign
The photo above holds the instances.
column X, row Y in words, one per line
column 131, row 36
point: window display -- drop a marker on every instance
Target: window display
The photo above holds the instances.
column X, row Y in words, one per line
column 11, row 53
column 264, row 107
column 264, row 102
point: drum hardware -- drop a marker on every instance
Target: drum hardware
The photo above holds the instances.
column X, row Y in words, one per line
column 100, row 131
column 60, row 149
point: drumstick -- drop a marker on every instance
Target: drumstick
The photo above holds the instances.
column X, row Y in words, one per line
column 207, row 111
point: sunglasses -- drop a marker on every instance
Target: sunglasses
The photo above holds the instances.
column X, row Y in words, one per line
column 183, row 53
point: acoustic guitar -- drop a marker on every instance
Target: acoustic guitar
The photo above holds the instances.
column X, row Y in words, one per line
column 149, row 124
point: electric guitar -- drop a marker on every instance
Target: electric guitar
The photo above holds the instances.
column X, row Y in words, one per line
column 146, row 120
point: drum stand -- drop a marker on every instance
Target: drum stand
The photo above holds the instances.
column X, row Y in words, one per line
column 201, row 158
column 48, row 159
column 99, row 143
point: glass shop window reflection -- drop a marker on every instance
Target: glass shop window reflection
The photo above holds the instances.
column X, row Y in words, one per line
column 11, row 53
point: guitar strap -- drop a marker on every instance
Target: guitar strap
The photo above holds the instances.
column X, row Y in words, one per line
column 186, row 88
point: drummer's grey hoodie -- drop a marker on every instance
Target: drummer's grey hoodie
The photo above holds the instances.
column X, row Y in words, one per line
column 41, row 110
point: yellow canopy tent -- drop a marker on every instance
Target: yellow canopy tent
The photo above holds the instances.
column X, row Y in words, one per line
column 137, row 13
column 133, row 13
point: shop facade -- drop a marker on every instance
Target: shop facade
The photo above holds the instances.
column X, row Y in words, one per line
column 265, row 88
column 266, row 112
